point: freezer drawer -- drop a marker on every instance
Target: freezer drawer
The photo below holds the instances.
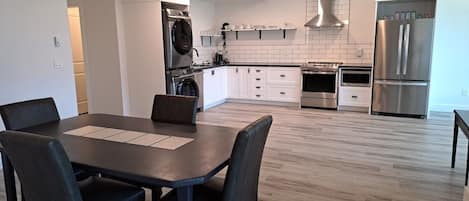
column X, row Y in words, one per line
column 398, row 97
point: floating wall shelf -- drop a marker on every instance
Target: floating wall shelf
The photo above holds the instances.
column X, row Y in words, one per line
column 284, row 29
column 206, row 34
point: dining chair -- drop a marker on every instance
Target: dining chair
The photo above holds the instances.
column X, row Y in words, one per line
column 242, row 178
column 46, row 173
column 174, row 109
column 17, row 116
column 21, row 115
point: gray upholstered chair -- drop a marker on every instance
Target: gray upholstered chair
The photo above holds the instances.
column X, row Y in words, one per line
column 45, row 172
column 241, row 182
column 174, row 109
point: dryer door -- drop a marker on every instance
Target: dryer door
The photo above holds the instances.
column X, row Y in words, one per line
column 182, row 36
column 187, row 87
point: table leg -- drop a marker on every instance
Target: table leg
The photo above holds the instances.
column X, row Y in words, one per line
column 455, row 144
column 9, row 178
column 467, row 163
column 156, row 194
column 185, row 193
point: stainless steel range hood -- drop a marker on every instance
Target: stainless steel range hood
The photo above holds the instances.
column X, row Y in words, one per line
column 325, row 17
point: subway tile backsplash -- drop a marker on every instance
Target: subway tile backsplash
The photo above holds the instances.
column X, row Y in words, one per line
column 315, row 45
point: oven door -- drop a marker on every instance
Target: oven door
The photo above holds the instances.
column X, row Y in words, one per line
column 319, row 84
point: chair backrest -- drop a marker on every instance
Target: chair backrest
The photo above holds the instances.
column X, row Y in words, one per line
column 242, row 179
column 42, row 166
column 174, row 109
column 17, row 116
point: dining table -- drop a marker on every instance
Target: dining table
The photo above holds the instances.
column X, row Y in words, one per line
column 151, row 167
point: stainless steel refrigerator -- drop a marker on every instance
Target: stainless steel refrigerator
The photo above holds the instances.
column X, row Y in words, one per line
column 403, row 53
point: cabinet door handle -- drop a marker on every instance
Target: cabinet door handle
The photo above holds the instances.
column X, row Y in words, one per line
column 236, row 70
column 213, row 72
column 258, row 71
column 258, row 87
column 249, row 70
column 354, row 96
column 282, row 76
column 282, row 93
column 258, row 79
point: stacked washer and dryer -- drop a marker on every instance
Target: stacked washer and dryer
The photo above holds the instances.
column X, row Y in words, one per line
column 178, row 50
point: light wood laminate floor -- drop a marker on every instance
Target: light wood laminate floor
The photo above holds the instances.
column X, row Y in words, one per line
column 321, row 155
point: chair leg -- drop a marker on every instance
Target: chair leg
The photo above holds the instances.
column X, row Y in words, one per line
column 9, row 178
column 156, row 194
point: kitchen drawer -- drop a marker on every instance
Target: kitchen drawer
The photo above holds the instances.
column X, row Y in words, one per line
column 257, row 80
column 258, row 95
column 283, row 76
column 355, row 96
column 283, row 93
column 257, row 71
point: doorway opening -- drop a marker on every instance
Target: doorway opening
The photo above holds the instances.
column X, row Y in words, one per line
column 78, row 59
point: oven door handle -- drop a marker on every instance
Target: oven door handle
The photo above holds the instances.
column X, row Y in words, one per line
column 319, row 73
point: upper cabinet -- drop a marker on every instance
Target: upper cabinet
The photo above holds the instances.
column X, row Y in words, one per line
column 362, row 21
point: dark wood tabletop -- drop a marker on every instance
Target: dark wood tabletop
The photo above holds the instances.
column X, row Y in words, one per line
column 463, row 116
column 191, row 164
column 461, row 121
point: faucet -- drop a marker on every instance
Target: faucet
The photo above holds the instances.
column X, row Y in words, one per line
column 196, row 52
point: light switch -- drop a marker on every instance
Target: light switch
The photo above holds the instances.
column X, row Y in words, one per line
column 58, row 64
column 57, row 42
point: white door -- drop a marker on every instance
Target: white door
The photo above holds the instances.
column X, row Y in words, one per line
column 78, row 59
column 233, row 82
column 243, row 82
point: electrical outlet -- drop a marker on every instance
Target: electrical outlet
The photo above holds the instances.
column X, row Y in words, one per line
column 465, row 92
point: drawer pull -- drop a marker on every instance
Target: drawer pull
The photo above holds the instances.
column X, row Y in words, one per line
column 355, row 97
column 282, row 76
column 258, row 87
column 258, row 96
column 258, row 79
column 258, row 71
column 283, row 93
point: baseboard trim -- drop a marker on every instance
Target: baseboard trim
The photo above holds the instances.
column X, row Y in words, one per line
column 447, row 107
column 261, row 102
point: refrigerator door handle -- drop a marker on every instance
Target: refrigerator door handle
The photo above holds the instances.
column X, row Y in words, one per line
column 406, row 48
column 401, row 83
column 399, row 49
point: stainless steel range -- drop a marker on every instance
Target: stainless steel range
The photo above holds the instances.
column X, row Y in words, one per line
column 320, row 81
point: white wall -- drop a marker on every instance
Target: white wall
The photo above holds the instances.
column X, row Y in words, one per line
column 27, row 54
column 450, row 69
column 123, row 45
column 142, row 49
column 299, row 46
column 102, row 57
column 204, row 19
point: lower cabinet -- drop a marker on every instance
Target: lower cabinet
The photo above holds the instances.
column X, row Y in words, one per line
column 277, row 84
column 215, row 86
column 280, row 84
column 355, row 96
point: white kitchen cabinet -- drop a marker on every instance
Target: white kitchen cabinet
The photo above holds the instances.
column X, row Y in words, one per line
column 215, row 86
column 283, row 84
column 257, row 79
column 283, row 76
column 277, row 84
column 362, row 21
column 355, row 96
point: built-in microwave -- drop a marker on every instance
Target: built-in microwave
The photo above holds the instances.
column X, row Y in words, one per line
column 355, row 77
